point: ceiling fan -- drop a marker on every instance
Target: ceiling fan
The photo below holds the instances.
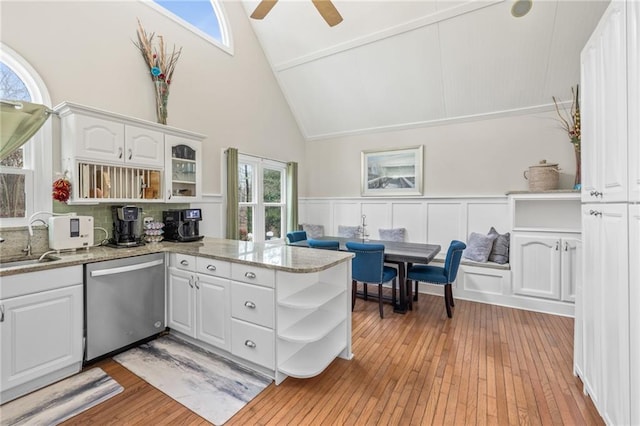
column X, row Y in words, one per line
column 325, row 7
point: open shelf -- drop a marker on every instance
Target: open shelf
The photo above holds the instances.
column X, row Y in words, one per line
column 313, row 296
column 313, row 327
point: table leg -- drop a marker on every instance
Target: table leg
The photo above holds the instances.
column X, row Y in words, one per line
column 401, row 307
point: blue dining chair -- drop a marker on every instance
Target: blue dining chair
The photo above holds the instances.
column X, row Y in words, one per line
column 296, row 236
column 323, row 244
column 368, row 267
column 439, row 275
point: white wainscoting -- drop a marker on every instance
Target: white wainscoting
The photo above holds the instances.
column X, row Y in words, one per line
column 437, row 221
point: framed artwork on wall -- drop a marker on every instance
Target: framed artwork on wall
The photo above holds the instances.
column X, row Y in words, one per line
column 392, row 172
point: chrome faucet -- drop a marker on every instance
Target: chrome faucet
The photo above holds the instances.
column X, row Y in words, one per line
column 27, row 250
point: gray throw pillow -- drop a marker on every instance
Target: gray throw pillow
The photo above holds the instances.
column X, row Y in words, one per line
column 500, row 250
column 393, row 234
column 348, row 231
column 478, row 247
column 313, row 231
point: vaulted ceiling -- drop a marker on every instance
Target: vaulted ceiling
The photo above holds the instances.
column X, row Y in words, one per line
column 397, row 64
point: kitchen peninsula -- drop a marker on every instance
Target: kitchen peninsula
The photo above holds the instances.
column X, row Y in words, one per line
column 282, row 310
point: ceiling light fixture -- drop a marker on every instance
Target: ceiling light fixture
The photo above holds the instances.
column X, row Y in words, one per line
column 521, row 8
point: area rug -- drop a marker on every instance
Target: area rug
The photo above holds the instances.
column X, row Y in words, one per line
column 209, row 385
column 61, row 401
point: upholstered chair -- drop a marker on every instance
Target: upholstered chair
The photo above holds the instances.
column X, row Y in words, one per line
column 312, row 230
column 323, row 244
column 368, row 267
column 439, row 275
column 348, row 231
column 295, row 236
column 392, row 234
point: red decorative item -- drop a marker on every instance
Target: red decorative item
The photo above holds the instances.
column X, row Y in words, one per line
column 61, row 190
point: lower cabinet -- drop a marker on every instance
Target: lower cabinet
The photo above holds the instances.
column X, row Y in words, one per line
column 198, row 305
column 546, row 265
column 280, row 323
column 41, row 318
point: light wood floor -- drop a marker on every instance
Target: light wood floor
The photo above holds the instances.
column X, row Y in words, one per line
column 487, row 365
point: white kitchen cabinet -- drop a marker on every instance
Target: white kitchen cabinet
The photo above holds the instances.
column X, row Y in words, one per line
column 183, row 169
column 41, row 323
column 114, row 158
column 198, row 304
column 547, row 265
column 604, row 108
column 633, row 103
column 634, row 309
column 606, row 321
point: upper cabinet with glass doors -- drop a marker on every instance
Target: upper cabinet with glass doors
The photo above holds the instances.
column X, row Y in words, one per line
column 183, row 169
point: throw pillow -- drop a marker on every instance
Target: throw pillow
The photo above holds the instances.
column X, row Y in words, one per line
column 478, row 247
column 500, row 250
column 393, row 234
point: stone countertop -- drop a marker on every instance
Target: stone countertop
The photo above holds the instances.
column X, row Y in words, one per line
column 272, row 255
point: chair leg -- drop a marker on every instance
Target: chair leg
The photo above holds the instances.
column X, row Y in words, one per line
column 447, row 298
column 380, row 299
column 393, row 293
column 354, row 289
column 365, row 291
column 415, row 292
column 451, row 295
column 409, row 296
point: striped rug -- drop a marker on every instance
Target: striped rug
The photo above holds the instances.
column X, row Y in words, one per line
column 61, row 401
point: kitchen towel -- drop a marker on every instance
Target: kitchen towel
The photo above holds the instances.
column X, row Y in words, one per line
column 209, row 385
column 61, row 401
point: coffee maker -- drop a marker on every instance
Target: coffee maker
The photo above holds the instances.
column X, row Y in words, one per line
column 128, row 228
column 182, row 225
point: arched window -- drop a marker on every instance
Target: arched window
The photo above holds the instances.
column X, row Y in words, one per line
column 26, row 175
column 203, row 17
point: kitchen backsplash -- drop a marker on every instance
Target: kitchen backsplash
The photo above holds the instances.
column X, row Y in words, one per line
column 15, row 238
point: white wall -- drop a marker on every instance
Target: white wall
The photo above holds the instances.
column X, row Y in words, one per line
column 485, row 156
column 84, row 51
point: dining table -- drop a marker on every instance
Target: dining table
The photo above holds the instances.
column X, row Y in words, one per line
column 403, row 254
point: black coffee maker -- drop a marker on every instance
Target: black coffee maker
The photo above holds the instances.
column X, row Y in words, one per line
column 182, row 225
column 128, row 229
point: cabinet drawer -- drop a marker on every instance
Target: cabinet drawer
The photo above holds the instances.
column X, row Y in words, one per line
column 252, row 303
column 183, row 261
column 253, row 343
column 215, row 267
column 253, row 274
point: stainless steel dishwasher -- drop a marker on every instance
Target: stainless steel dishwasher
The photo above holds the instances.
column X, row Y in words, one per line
column 124, row 302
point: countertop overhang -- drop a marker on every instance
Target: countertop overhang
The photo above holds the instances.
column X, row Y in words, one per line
column 272, row 255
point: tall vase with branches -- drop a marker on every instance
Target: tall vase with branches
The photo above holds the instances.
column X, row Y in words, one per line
column 161, row 65
column 570, row 121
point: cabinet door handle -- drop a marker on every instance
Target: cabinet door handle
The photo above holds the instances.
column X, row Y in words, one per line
column 566, row 246
column 1, row 313
column 249, row 304
column 184, row 262
column 251, row 275
column 130, row 154
column 119, row 152
column 250, row 343
column 169, row 194
column 557, row 245
column 197, row 281
column 191, row 281
column 211, row 267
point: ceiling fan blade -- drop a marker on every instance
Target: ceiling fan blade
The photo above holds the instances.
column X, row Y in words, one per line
column 263, row 8
column 328, row 11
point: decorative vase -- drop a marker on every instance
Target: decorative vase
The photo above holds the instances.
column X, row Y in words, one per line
column 162, row 98
column 577, row 182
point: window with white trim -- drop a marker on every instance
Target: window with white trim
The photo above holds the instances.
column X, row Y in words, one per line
column 262, row 199
column 205, row 18
column 25, row 176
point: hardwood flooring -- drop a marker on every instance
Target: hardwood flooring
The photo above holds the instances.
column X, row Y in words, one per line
column 487, row 365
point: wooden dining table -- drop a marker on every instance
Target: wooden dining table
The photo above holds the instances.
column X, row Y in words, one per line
column 399, row 253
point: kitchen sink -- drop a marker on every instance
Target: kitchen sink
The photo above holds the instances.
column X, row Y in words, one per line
column 26, row 262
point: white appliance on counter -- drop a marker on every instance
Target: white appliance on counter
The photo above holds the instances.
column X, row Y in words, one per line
column 70, row 232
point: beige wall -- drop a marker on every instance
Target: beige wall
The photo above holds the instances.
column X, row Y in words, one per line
column 84, row 52
column 480, row 157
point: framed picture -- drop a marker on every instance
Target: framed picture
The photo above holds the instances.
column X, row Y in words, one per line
column 392, row 172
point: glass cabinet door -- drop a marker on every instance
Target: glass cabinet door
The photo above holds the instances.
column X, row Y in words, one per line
column 183, row 169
